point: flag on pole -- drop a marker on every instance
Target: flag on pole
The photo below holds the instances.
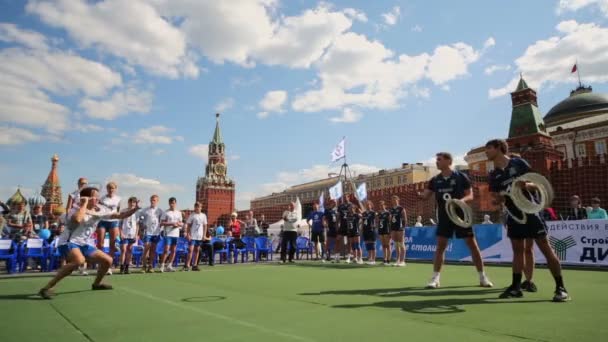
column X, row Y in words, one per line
column 339, row 151
column 321, row 203
column 335, row 192
column 298, row 209
column 362, row 192
column 574, row 69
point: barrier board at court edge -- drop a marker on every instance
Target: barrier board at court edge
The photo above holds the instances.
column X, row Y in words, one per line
column 575, row 243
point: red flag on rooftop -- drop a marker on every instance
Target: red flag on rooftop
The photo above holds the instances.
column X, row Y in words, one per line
column 574, row 69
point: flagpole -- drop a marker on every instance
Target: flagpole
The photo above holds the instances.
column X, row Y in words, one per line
column 578, row 73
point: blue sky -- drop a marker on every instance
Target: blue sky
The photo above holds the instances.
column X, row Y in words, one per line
column 128, row 90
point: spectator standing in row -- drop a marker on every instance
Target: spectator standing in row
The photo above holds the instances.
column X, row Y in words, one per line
column 290, row 233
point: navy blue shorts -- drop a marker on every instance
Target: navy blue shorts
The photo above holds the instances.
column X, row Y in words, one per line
column 107, row 224
column 196, row 243
column 86, row 250
column 170, row 241
column 370, row 246
column 152, row 239
column 127, row 241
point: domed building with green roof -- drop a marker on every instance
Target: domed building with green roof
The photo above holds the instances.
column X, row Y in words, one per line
column 579, row 123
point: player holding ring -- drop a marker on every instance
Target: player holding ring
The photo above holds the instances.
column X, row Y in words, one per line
column 450, row 184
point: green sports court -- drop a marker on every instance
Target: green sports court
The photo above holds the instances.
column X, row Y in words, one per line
column 306, row 301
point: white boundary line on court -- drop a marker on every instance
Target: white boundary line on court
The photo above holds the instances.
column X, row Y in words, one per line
column 217, row 315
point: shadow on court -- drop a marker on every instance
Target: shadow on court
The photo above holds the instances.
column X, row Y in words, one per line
column 34, row 296
column 328, row 265
column 204, row 299
column 436, row 306
column 409, row 291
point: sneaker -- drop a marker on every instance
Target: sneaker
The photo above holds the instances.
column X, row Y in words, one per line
column 371, row 263
column 109, row 271
column 561, row 295
column 161, row 269
column 386, row 263
column 400, row 264
column 348, row 261
column 186, row 269
column 101, row 287
column 83, row 271
column 528, row 286
column 433, row 283
column 127, row 270
column 485, row 282
column 196, row 269
column 46, row 293
column 292, row 262
column 511, row 292
column 122, row 269
column 148, row 269
column 323, row 261
column 170, row 269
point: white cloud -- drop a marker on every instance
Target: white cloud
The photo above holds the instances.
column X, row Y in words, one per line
column 355, row 14
column 273, row 101
column 199, row 151
column 31, row 78
column 362, row 73
column 137, row 32
column 12, row 34
column 391, row 18
column 348, row 116
column 490, row 42
column 156, row 135
column 449, row 62
column 16, row 136
column 575, row 5
column 121, row 102
column 249, row 31
column 225, row 104
column 86, row 128
column 417, row 28
column 494, row 68
column 130, row 184
column 550, row 61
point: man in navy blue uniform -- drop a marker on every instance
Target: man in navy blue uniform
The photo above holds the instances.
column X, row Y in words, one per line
column 330, row 221
column 456, row 185
column 502, row 179
column 343, row 213
column 398, row 223
column 315, row 220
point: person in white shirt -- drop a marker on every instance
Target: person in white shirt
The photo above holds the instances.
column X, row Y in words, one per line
column 418, row 222
column 151, row 217
column 196, row 232
column 73, row 201
column 112, row 202
column 172, row 221
column 128, row 237
column 73, row 241
column 290, row 233
column 74, row 197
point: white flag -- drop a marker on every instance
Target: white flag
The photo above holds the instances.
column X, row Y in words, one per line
column 298, row 209
column 335, row 192
column 322, row 202
column 339, row 151
column 362, row 192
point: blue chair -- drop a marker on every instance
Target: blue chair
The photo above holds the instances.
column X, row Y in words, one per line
column 303, row 245
column 262, row 245
column 160, row 249
column 181, row 251
column 225, row 252
column 9, row 252
column 54, row 255
column 137, row 252
column 35, row 249
column 245, row 250
column 106, row 249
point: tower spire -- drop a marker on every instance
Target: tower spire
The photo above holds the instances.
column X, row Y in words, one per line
column 217, row 135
